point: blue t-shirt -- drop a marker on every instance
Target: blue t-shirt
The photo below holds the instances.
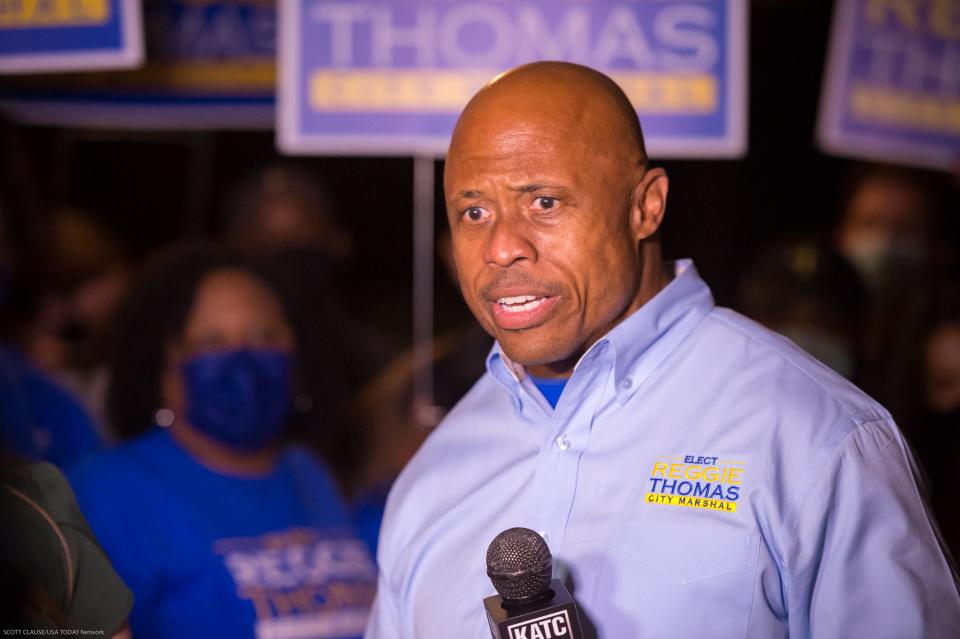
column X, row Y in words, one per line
column 39, row 419
column 212, row 555
column 366, row 510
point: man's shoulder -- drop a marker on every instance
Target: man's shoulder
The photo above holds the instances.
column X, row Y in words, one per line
column 785, row 373
column 802, row 424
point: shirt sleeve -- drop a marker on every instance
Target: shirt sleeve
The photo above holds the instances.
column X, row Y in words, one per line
column 864, row 558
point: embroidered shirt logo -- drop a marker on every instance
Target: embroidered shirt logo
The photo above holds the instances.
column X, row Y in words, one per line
column 696, row 481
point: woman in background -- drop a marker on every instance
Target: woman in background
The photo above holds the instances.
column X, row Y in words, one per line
column 219, row 527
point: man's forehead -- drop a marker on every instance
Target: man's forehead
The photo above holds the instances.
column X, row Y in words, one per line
column 473, row 173
column 519, row 146
column 506, row 129
column 571, row 135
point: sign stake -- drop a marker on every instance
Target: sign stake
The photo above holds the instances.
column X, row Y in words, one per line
column 423, row 258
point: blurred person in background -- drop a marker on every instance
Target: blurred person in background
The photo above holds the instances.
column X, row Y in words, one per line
column 282, row 214
column 887, row 228
column 40, row 418
column 888, row 231
column 62, row 292
column 803, row 289
column 283, row 209
column 938, row 438
column 220, row 527
column 82, row 272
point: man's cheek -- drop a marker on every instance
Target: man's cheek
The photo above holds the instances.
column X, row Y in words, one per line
column 480, row 309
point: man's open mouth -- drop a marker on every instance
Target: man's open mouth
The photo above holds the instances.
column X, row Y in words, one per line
column 518, row 312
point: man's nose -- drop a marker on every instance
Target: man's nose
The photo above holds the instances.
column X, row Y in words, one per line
column 507, row 244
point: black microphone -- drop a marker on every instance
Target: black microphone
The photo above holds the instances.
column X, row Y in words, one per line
column 531, row 605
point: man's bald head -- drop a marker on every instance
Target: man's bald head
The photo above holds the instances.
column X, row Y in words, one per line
column 553, row 212
column 564, row 94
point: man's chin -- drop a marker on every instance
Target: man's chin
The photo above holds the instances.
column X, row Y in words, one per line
column 542, row 353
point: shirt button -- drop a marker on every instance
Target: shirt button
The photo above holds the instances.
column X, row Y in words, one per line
column 627, row 383
column 562, row 442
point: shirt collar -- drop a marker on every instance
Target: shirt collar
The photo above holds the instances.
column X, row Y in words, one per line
column 640, row 342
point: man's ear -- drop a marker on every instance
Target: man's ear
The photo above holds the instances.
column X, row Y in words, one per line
column 649, row 203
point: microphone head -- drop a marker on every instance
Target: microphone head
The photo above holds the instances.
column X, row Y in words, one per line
column 520, row 565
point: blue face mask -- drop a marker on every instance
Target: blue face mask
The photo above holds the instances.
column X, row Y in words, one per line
column 240, row 398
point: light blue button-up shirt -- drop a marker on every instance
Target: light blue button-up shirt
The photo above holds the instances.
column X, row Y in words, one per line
column 699, row 477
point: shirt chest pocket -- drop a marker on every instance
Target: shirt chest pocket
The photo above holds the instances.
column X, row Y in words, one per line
column 683, row 580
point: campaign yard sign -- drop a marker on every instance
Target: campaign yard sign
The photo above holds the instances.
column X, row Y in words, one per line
column 391, row 76
column 69, row 35
column 892, row 88
column 211, row 64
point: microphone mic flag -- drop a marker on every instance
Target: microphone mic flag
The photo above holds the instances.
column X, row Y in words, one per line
column 530, row 604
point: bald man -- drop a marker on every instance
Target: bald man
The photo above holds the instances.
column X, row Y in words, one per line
column 694, row 474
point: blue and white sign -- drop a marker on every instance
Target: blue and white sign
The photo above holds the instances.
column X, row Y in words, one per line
column 211, row 64
column 391, row 76
column 892, row 89
column 69, row 35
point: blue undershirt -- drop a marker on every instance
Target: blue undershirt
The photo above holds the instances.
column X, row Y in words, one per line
column 550, row 388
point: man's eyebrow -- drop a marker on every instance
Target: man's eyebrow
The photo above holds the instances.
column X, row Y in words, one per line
column 522, row 188
column 532, row 188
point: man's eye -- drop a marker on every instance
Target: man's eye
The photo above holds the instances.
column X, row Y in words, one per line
column 546, row 203
column 474, row 214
